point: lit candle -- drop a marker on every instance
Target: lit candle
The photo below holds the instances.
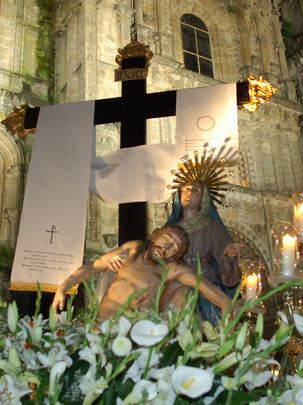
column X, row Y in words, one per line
column 251, row 286
column 298, row 219
column 288, row 254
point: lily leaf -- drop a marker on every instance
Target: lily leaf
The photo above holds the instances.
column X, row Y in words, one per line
column 170, row 355
column 226, row 347
column 235, row 398
column 125, row 388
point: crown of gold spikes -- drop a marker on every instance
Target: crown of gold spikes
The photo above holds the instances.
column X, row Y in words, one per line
column 208, row 168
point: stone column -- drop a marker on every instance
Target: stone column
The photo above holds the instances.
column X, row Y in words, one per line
column 244, row 40
column 90, row 49
column 164, row 30
column 144, row 32
column 263, row 40
column 288, row 86
column 124, row 13
column 139, row 11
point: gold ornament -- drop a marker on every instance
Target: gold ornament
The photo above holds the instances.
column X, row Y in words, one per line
column 14, row 123
column 260, row 91
column 208, row 169
column 132, row 50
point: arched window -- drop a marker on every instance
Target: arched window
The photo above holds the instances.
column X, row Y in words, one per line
column 196, row 45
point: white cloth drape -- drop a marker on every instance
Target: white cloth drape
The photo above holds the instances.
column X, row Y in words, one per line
column 52, row 228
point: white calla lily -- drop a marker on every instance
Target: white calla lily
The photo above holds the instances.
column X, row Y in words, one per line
column 136, row 370
column 191, row 381
column 148, row 333
column 143, row 389
column 124, row 326
column 56, row 372
column 87, row 381
column 257, row 378
column 166, row 393
column 133, row 373
column 121, row 346
column 166, row 396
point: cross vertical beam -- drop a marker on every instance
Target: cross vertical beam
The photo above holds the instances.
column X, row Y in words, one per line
column 132, row 216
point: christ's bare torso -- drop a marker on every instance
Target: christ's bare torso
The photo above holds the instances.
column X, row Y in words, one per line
column 134, row 276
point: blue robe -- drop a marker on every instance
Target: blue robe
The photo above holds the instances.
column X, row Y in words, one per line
column 208, row 242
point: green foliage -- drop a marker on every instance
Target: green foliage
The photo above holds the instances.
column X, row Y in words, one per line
column 6, row 256
column 45, row 50
column 32, row 349
column 170, row 355
column 287, row 29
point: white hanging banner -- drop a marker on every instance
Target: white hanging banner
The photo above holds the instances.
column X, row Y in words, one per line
column 206, row 115
column 52, row 228
column 203, row 115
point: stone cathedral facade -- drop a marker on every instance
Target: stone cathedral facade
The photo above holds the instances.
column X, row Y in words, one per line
column 63, row 51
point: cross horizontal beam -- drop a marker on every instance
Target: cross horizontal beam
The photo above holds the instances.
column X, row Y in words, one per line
column 152, row 105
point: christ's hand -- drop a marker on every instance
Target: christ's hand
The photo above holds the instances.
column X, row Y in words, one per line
column 117, row 261
column 59, row 300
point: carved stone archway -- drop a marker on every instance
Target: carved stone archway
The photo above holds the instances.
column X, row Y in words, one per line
column 10, row 165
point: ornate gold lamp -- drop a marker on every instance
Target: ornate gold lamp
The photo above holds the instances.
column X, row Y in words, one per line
column 260, row 91
column 14, row 122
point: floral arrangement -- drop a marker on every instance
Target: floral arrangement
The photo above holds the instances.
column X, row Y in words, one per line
column 144, row 357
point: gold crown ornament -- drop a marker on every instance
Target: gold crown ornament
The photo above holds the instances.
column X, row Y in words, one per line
column 208, row 168
column 132, row 50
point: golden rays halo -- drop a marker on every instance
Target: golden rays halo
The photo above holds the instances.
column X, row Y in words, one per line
column 209, row 168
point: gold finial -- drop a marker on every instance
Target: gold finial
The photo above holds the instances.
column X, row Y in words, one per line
column 14, row 122
column 260, row 91
column 133, row 49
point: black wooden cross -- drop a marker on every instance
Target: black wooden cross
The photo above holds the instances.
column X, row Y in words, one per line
column 132, row 109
